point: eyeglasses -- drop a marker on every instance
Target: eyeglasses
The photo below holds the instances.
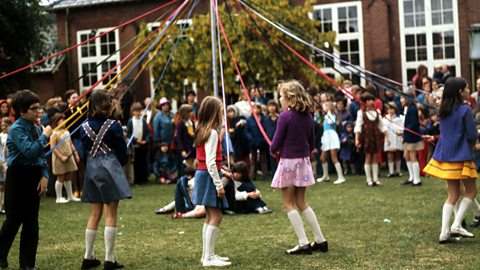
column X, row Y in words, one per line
column 34, row 108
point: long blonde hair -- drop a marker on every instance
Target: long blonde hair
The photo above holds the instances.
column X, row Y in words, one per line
column 298, row 99
column 210, row 117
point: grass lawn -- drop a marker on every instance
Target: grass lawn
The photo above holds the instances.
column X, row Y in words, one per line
column 352, row 217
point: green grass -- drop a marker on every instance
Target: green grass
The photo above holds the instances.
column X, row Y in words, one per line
column 351, row 217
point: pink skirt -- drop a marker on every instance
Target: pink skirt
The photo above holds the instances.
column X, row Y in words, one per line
column 296, row 172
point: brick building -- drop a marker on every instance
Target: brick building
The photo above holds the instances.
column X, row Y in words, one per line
column 389, row 37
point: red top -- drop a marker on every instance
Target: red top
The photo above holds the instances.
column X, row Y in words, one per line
column 201, row 156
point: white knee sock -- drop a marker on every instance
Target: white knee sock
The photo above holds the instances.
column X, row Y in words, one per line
column 190, row 214
column 375, row 172
column 338, row 167
column 391, row 167
column 398, row 166
column 68, row 188
column 110, row 236
column 325, row 170
column 476, row 208
column 446, row 215
column 311, row 220
column 368, row 172
column 210, row 241
column 461, row 212
column 204, row 240
column 58, row 189
column 410, row 171
column 457, row 205
column 416, row 172
column 90, row 236
column 297, row 225
column 170, row 206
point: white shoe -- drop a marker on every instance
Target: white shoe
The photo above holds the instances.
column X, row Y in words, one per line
column 460, row 231
column 61, row 200
column 339, row 181
column 324, row 178
column 377, row 183
column 370, row 183
column 214, row 261
column 225, row 259
column 75, row 199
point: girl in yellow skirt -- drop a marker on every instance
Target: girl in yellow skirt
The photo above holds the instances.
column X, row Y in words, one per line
column 452, row 160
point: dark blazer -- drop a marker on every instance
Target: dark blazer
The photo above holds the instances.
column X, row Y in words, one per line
column 145, row 134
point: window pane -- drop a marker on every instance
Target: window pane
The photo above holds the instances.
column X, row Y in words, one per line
column 408, row 6
column 419, row 5
column 448, row 17
column 352, row 26
column 449, row 52
column 355, row 59
column 327, row 27
column 422, row 54
column 411, row 55
column 344, row 56
column 83, row 37
column 436, row 4
column 84, row 51
column 420, row 20
column 354, row 45
column 436, row 18
column 448, row 37
column 447, row 4
column 342, row 13
column 410, row 73
column 111, row 36
column 437, row 38
column 111, row 49
column 104, row 50
column 409, row 22
column 103, row 39
column 410, row 40
column 421, row 40
column 343, row 46
column 327, row 14
column 437, row 53
column 92, row 51
column 342, row 27
column 352, row 12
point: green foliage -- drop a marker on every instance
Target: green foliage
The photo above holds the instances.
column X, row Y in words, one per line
column 192, row 58
column 22, row 23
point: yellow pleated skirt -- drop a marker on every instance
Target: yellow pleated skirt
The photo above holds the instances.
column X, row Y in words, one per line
column 451, row 170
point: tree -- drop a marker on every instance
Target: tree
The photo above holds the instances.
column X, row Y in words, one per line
column 258, row 63
column 22, row 24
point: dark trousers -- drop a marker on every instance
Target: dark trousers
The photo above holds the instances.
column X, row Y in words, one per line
column 21, row 205
column 183, row 203
column 140, row 165
column 263, row 159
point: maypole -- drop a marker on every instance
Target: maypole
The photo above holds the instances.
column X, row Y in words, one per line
column 213, row 28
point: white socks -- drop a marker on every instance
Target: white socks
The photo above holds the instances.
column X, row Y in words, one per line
column 68, row 188
column 110, row 236
column 368, row 172
column 170, row 206
column 297, row 225
column 391, row 167
column 410, row 171
column 90, row 236
column 416, row 172
column 58, row 189
column 446, row 215
column 338, row 167
column 204, row 240
column 311, row 220
column 375, row 172
column 210, row 238
column 457, row 223
column 398, row 166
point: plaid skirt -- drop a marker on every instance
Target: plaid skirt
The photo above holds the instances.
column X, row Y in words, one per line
column 451, row 170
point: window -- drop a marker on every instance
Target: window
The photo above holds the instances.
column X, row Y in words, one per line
column 91, row 54
column 429, row 35
column 346, row 20
column 180, row 24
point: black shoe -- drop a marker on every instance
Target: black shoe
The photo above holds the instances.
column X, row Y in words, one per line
column 322, row 247
column 163, row 211
column 416, row 185
column 112, row 265
column 87, row 264
column 407, row 183
column 297, row 250
column 3, row 263
column 390, row 175
column 475, row 222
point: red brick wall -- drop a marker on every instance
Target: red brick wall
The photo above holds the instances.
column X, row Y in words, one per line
column 468, row 14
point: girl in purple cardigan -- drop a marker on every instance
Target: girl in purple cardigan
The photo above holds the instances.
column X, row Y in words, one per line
column 452, row 160
column 294, row 140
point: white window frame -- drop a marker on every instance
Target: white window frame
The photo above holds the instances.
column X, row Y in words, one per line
column 344, row 36
column 98, row 58
column 428, row 30
column 150, row 27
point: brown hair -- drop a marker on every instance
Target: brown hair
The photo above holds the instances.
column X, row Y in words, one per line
column 100, row 104
column 137, row 106
column 69, row 93
column 298, row 99
column 184, row 112
column 209, row 117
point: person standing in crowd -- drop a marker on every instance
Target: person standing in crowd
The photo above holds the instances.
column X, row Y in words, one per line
column 412, row 140
column 294, row 141
column 190, row 100
column 163, row 128
column 243, row 106
column 452, row 160
column 185, row 134
column 105, row 181
column 208, row 189
column 236, row 130
column 5, row 110
column 422, row 72
column 138, row 127
column 393, row 124
column 270, row 126
column 258, row 145
column 446, row 73
column 257, row 96
column 26, row 180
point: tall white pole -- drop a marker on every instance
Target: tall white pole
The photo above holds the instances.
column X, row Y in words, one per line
column 213, row 28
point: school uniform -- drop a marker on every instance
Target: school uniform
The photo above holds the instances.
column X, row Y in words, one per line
column 412, row 141
column 393, row 125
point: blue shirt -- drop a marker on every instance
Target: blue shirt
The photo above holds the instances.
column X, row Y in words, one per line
column 23, row 149
column 412, row 124
column 458, row 134
column 163, row 128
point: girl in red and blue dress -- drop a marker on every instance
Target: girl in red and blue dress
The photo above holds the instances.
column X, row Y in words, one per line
column 452, row 160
